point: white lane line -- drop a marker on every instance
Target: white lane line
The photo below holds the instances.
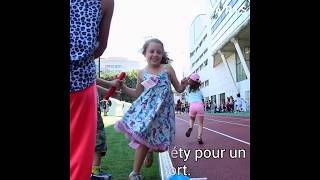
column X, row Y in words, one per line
column 222, row 117
column 228, row 122
column 166, row 166
column 229, row 117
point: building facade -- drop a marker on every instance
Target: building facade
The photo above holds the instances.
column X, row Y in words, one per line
column 118, row 64
column 220, row 50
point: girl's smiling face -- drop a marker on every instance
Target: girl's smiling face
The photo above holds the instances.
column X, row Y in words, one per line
column 154, row 53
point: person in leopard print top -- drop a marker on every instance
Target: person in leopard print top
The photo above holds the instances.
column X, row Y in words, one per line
column 89, row 30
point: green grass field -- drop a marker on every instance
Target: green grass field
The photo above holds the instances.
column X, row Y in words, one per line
column 119, row 157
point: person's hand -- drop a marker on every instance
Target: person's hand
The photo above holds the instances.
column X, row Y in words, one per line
column 184, row 82
column 115, row 83
column 121, row 84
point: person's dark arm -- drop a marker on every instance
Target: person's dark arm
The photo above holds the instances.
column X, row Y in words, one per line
column 104, row 28
column 103, row 91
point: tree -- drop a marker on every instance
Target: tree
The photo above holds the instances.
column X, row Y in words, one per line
column 130, row 80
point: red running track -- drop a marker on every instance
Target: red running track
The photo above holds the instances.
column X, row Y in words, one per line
column 229, row 133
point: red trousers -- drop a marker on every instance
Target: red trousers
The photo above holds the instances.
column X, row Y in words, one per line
column 83, row 125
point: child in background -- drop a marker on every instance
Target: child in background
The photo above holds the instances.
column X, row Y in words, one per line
column 195, row 97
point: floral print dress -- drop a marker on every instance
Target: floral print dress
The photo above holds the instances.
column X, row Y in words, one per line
column 151, row 119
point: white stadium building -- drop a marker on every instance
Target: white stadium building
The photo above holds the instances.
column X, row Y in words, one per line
column 220, row 50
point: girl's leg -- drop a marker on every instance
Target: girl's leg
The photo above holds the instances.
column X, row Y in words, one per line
column 191, row 123
column 200, row 129
column 140, row 155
